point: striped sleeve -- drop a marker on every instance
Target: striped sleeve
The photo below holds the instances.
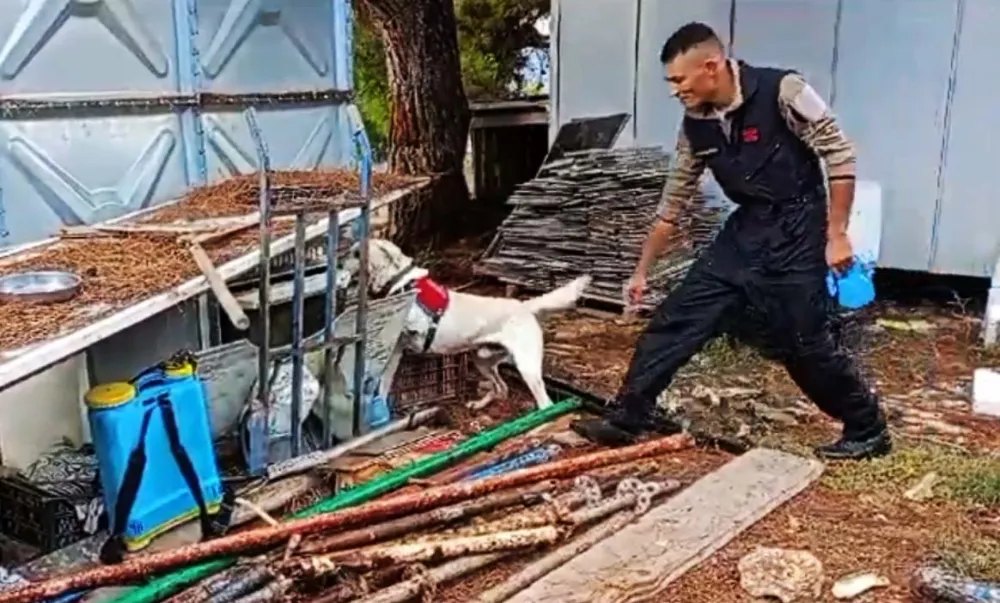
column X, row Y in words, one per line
column 808, row 115
column 681, row 189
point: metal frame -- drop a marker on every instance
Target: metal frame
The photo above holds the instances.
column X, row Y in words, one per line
column 268, row 359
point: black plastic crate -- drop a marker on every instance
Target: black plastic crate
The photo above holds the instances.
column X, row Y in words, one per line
column 36, row 517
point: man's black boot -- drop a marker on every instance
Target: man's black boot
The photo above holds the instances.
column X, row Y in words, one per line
column 846, row 449
column 615, row 428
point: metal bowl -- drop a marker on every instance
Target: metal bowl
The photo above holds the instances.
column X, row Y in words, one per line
column 43, row 287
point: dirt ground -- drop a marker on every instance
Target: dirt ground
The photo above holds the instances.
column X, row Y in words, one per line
column 861, row 517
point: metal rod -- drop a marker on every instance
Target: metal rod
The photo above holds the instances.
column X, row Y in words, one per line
column 322, row 457
column 298, row 309
column 264, row 320
column 260, row 538
column 329, row 314
column 361, row 321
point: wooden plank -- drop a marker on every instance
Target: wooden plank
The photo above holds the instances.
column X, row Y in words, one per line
column 640, row 562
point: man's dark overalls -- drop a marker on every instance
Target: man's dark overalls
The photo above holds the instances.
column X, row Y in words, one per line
column 769, row 258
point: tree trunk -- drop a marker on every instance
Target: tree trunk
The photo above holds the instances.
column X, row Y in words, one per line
column 430, row 112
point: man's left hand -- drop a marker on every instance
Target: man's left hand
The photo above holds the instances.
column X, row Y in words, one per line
column 839, row 253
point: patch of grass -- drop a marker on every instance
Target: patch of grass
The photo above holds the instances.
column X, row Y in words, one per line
column 964, row 478
column 981, row 486
column 976, row 556
column 727, row 352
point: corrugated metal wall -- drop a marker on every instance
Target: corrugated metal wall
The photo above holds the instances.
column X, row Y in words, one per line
column 910, row 81
column 85, row 160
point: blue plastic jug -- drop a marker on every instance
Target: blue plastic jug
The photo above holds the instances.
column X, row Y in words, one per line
column 155, row 455
column 855, row 287
column 377, row 413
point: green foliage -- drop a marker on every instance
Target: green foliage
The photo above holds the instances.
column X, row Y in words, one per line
column 371, row 85
column 492, row 35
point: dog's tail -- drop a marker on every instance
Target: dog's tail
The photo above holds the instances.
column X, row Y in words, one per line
column 559, row 299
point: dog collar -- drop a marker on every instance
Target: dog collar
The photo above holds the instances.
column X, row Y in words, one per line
column 433, row 299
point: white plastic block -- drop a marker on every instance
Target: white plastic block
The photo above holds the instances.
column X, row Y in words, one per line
column 986, row 392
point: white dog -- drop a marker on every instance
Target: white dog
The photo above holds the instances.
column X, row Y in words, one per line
column 448, row 322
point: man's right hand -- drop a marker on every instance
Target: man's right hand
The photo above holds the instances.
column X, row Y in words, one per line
column 635, row 289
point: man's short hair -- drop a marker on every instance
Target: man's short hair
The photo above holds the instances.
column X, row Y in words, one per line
column 687, row 37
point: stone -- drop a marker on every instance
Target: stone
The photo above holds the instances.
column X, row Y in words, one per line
column 787, row 575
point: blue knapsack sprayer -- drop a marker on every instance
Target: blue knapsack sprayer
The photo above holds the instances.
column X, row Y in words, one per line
column 155, row 455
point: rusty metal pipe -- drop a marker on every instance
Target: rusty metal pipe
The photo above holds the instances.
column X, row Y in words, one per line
column 440, row 516
column 433, row 550
column 142, row 566
column 587, row 490
column 448, row 572
column 537, row 570
column 272, row 592
column 552, row 513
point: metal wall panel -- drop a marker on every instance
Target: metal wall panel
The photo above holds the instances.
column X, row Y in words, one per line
column 967, row 237
column 296, row 139
column 658, row 114
column 596, row 60
column 85, row 170
column 265, row 45
column 81, row 165
column 87, row 47
column 893, row 106
column 796, row 34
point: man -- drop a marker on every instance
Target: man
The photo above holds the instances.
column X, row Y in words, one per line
column 763, row 133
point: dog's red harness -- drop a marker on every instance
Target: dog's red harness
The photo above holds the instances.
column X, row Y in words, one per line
column 432, row 297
